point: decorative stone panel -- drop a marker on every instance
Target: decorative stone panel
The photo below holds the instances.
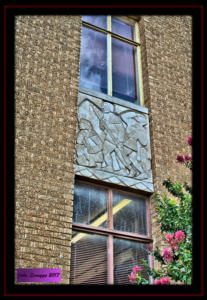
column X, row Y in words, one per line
column 113, row 143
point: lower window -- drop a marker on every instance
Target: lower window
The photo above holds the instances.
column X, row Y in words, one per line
column 110, row 235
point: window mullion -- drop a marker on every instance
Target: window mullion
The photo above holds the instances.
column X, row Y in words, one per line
column 110, row 260
column 139, row 66
column 109, row 57
column 151, row 264
column 149, row 225
column 110, row 208
column 110, row 251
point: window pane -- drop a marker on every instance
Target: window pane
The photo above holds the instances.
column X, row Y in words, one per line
column 88, row 259
column 122, row 28
column 99, row 21
column 127, row 254
column 123, row 70
column 90, row 205
column 129, row 213
column 93, row 67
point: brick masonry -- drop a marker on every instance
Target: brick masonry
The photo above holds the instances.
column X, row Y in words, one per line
column 46, row 91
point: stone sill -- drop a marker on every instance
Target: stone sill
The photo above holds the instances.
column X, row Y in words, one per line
column 114, row 100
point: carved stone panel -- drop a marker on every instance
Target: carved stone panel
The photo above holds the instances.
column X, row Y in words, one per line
column 113, row 143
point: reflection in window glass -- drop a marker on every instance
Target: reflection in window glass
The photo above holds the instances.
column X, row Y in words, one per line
column 129, row 213
column 123, row 70
column 121, row 28
column 88, row 259
column 90, row 205
column 93, row 67
column 99, row 21
column 127, row 254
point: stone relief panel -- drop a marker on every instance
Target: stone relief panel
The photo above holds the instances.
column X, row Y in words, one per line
column 113, row 143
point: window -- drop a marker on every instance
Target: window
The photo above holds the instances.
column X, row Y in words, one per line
column 110, row 234
column 110, row 57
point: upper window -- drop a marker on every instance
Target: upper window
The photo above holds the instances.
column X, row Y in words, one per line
column 110, row 234
column 110, row 57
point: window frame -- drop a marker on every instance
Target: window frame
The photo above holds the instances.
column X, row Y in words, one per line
column 137, row 57
column 111, row 233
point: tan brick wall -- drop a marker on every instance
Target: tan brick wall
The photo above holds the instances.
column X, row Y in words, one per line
column 166, row 60
column 46, row 91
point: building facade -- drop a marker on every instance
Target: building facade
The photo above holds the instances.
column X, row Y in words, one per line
column 103, row 107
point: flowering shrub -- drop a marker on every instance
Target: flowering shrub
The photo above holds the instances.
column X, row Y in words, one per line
column 167, row 254
column 186, row 159
column 132, row 277
column 136, row 277
column 169, row 238
column 164, row 280
column 179, row 236
column 189, row 140
column 175, row 218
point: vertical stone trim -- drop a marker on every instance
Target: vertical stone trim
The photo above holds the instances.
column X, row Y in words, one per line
column 47, row 54
column 146, row 85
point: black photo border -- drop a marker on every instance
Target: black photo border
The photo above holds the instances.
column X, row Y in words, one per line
column 8, row 11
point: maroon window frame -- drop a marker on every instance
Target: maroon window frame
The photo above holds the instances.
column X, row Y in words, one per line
column 111, row 233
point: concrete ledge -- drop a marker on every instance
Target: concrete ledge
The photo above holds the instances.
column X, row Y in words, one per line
column 114, row 100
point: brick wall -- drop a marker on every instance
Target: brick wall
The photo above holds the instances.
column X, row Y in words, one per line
column 46, row 90
column 166, row 60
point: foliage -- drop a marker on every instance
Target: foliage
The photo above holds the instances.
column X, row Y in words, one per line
column 175, row 218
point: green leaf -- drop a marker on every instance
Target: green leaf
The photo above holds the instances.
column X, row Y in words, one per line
column 173, row 202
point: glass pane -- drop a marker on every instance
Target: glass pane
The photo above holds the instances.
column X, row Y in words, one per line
column 128, row 254
column 88, row 259
column 122, row 28
column 129, row 213
column 90, row 205
column 99, row 21
column 123, row 70
column 93, row 66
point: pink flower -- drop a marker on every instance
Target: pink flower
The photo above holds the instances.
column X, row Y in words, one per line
column 157, row 281
column 167, row 254
column 136, row 269
column 188, row 158
column 165, row 280
column 132, row 278
column 180, row 158
column 189, row 140
column 180, row 236
column 174, row 246
column 169, row 237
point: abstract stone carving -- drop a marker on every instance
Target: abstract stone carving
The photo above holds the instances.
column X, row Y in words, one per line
column 113, row 143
